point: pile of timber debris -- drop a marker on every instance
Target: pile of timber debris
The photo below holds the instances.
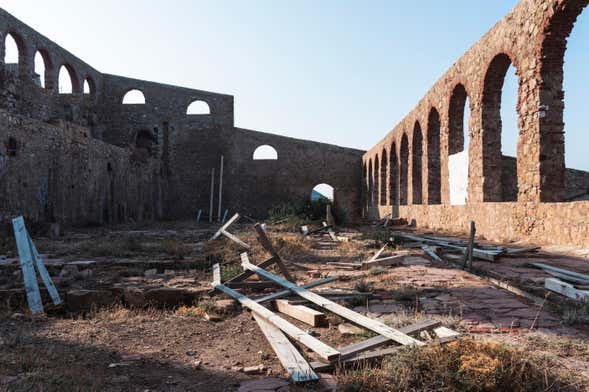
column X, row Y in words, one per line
column 278, row 330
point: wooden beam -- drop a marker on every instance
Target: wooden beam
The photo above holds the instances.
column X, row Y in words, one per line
column 220, row 190
column 323, row 350
column 302, row 313
column 385, row 261
column 212, row 200
column 566, row 289
column 267, row 244
column 377, row 254
column 254, row 285
column 579, row 278
column 431, row 253
column 380, row 340
column 292, row 361
column 283, row 293
column 235, row 239
column 225, row 226
column 348, row 314
column 27, row 265
column 330, row 231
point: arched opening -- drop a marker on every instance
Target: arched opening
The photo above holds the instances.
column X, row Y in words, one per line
column 89, row 86
column 500, row 172
column 11, row 147
column 556, row 180
column 416, row 170
column 198, row 108
column 370, row 185
column 322, row 193
column 144, row 143
column 394, row 176
column 42, row 67
column 434, row 192
column 404, row 171
column 67, row 80
column 376, row 181
column 265, row 153
column 13, row 54
column 134, row 97
column 458, row 142
column 383, row 178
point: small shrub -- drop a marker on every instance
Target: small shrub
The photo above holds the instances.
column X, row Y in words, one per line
column 363, row 286
column 576, row 314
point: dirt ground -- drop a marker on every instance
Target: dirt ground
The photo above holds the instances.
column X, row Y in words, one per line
column 134, row 318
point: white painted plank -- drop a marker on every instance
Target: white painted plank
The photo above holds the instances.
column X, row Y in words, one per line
column 26, row 261
column 566, row 289
column 293, row 362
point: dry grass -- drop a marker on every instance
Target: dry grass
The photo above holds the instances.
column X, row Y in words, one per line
column 465, row 365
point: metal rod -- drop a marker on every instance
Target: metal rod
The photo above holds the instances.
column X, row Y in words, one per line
column 212, row 195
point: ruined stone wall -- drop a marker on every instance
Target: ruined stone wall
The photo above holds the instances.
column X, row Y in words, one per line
column 59, row 173
column 159, row 157
column 532, row 38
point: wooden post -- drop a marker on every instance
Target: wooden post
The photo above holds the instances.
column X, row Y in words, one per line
column 198, row 216
column 220, row 189
column 469, row 250
column 212, row 195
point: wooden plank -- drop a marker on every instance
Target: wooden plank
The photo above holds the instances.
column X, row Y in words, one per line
column 566, row 289
column 470, row 248
column 246, row 274
column 43, row 272
column 26, row 261
column 283, row 293
column 385, row 261
column 302, row 313
column 254, row 285
column 212, row 199
column 348, row 314
column 377, row 254
column 220, row 190
column 330, row 232
column 431, row 253
column 292, row 361
column 379, row 340
column 267, row 244
column 235, row 239
column 582, row 278
column 323, row 350
column 225, row 226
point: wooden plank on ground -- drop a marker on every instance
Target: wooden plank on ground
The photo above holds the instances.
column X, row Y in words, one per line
column 323, row 350
column 302, row 313
column 293, row 362
column 431, row 253
column 379, row 340
column 225, row 226
column 566, row 289
column 283, row 293
column 43, row 272
column 377, row 254
column 330, row 231
column 385, row 261
column 267, row 244
column 342, row 311
column 235, row 239
column 581, row 278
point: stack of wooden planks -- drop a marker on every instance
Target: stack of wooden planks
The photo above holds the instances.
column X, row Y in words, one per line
column 571, row 284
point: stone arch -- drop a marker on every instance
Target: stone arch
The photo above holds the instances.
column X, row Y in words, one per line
column 324, row 193
column 404, row 171
column 417, row 164
column 133, row 97
column 20, row 68
column 383, row 178
column 45, row 80
column 458, row 153
column 89, row 86
column 393, row 176
column 265, row 152
column 552, row 99
column 376, row 181
column 456, row 127
column 65, row 71
column 198, row 107
column 495, row 187
column 144, row 143
column 370, row 185
column 434, row 183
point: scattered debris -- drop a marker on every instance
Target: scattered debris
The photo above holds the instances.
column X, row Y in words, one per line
column 223, row 231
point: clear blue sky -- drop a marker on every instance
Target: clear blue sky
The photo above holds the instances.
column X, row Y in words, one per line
column 335, row 71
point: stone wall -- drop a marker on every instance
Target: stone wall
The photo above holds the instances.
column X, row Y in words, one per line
column 86, row 157
column 532, row 38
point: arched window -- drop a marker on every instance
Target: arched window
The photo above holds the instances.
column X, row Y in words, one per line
column 42, row 66
column 417, row 163
column 394, row 176
column 198, row 108
column 67, row 81
column 89, row 86
column 500, row 172
column 376, row 181
column 458, row 142
column 322, row 193
column 134, row 97
column 383, row 178
column 434, row 193
column 13, row 53
column 265, row 153
column 404, row 172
